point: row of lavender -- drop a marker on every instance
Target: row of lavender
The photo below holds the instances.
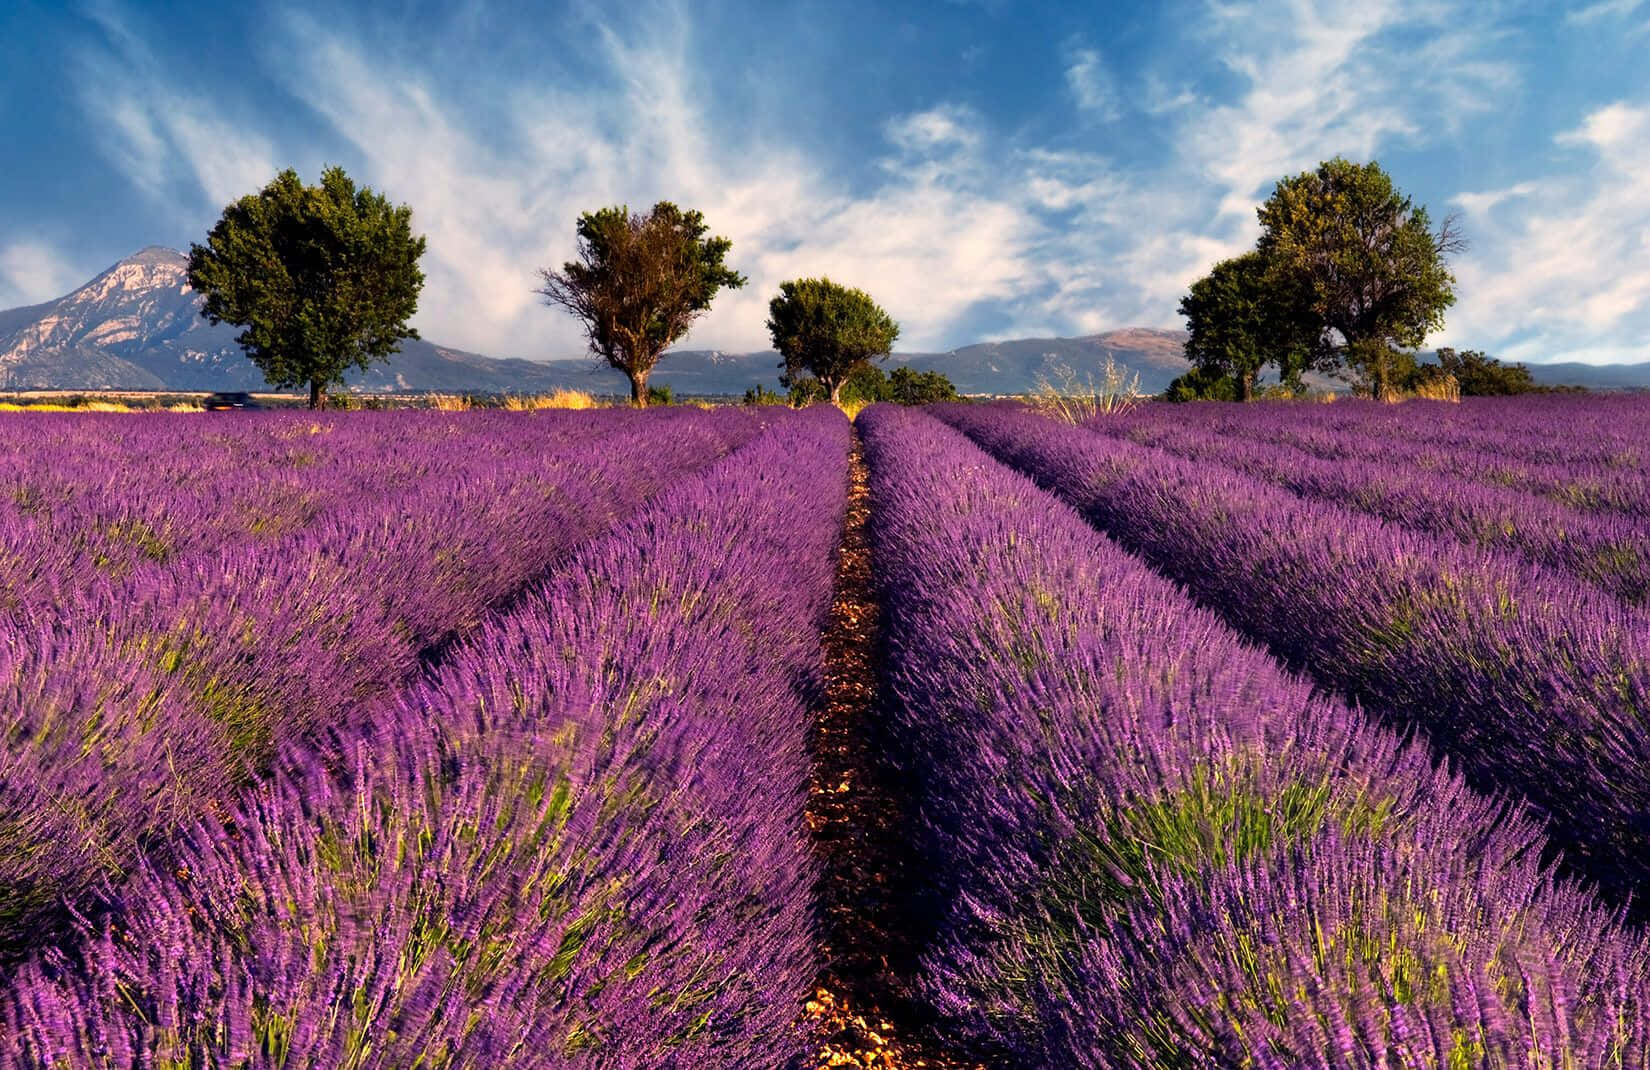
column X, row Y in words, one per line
column 90, row 497
column 1608, row 549
column 147, row 697
column 1531, row 682
column 580, row 844
column 1151, row 846
column 1600, row 430
column 1551, row 448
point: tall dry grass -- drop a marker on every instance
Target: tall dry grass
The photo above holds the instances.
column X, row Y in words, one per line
column 1444, row 388
column 1076, row 399
column 558, row 399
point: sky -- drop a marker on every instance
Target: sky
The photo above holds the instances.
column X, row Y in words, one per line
column 986, row 169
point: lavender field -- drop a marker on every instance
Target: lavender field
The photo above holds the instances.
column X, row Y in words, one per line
column 1268, row 735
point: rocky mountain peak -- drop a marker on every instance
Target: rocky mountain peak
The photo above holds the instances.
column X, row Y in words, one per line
column 158, row 254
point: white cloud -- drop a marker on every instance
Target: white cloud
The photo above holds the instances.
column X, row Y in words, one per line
column 1331, row 78
column 955, row 223
column 1560, row 266
column 928, row 242
column 1606, row 9
column 32, row 272
column 171, row 143
column 1091, row 84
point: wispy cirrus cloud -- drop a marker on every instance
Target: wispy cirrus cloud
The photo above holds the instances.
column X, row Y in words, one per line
column 34, row 271
column 961, row 224
column 1605, row 9
column 1346, row 77
column 1091, row 84
column 926, row 240
column 1559, row 265
column 174, row 144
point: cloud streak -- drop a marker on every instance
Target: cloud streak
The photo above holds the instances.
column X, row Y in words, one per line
column 1560, row 265
column 173, row 144
column 961, row 225
column 32, row 272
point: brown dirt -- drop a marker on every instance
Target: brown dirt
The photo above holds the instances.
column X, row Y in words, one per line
column 860, row 1012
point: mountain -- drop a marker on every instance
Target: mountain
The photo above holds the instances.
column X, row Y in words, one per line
column 1592, row 376
column 137, row 326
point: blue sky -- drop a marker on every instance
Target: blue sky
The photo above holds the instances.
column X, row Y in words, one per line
column 985, row 168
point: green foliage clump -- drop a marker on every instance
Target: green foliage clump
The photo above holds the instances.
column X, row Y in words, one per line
column 1347, row 277
column 1365, row 258
column 908, row 387
column 322, row 279
column 1202, row 383
column 761, row 395
column 1479, row 374
column 1243, row 316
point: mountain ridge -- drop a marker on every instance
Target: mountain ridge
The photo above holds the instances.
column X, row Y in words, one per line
column 137, row 326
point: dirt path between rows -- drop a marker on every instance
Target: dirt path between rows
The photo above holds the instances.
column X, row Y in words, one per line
column 860, row 1009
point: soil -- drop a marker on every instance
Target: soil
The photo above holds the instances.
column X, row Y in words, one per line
column 862, row 1011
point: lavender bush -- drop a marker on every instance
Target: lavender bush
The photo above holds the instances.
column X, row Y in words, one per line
column 157, row 694
column 1604, row 548
column 1531, row 682
column 579, row 844
column 1149, row 845
column 1551, row 447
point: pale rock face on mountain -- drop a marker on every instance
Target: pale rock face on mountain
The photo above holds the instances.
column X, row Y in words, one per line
column 138, row 326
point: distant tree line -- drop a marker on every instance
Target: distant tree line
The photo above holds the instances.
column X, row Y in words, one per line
column 1347, row 278
column 323, row 279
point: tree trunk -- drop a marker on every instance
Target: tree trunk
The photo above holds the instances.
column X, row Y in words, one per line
column 317, row 394
column 1246, row 388
column 638, row 389
column 836, row 393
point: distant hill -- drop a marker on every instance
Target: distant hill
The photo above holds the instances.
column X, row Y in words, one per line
column 1592, row 376
column 137, row 326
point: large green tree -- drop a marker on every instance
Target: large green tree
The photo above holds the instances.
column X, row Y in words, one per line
column 639, row 283
column 828, row 330
column 321, row 279
column 1243, row 316
column 1373, row 268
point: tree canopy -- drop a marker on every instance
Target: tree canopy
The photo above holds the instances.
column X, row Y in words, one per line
column 1243, row 316
column 639, row 283
column 322, row 279
column 827, row 330
column 1373, row 270
column 1481, row 375
column 869, row 383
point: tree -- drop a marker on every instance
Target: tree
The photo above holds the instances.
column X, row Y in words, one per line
column 322, row 278
column 1242, row 316
column 1372, row 268
column 1481, row 375
column 1202, row 384
column 908, row 387
column 828, row 331
column 639, row 283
